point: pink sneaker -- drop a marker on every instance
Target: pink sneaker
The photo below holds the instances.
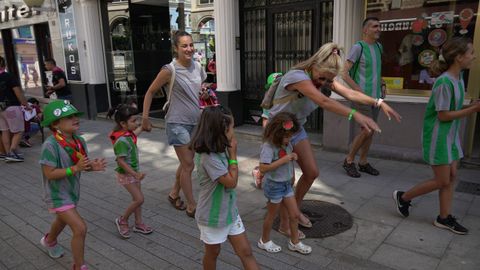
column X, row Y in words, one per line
column 54, row 249
column 257, row 177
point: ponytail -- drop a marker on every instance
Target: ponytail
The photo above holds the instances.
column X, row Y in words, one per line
column 450, row 50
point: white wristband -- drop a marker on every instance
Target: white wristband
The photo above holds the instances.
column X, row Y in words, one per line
column 379, row 102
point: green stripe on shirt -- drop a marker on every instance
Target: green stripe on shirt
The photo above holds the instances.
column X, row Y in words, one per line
column 217, row 198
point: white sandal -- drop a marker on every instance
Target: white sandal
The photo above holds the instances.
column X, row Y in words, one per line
column 299, row 247
column 269, row 246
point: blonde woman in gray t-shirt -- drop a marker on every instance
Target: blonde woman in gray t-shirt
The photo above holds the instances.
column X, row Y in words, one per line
column 299, row 92
column 182, row 116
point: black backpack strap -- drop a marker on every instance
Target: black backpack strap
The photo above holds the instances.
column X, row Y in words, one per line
column 357, row 62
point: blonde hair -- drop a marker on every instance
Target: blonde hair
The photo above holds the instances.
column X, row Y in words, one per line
column 450, row 50
column 326, row 59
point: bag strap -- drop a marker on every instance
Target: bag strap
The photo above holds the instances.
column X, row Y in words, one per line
column 357, row 62
column 170, row 85
column 285, row 99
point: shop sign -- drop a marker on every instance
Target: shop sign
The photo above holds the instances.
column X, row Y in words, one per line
column 69, row 37
column 393, row 82
column 16, row 13
column 398, row 26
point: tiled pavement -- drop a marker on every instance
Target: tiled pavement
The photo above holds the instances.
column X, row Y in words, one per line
column 379, row 239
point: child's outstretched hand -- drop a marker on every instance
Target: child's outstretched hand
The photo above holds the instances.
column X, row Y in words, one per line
column 98, row 164
column 83, row 164
column 293, row 156
column 139, row 175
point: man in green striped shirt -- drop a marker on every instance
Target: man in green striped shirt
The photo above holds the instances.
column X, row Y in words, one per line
column 364, row 66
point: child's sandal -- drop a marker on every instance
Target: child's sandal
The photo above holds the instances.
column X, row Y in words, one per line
column 142, row 228
column 269, row 246
column 299, row 247
column 122, row 227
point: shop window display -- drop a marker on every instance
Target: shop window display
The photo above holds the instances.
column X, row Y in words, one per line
column 413, row 32
column 27, row 60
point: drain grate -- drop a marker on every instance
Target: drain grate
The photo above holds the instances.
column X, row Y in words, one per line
column 468, row 187
column 327, row 219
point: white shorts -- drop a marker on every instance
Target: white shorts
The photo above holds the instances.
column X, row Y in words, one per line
column 213, row 236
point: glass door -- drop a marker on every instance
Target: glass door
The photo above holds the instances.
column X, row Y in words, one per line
column 26, row 57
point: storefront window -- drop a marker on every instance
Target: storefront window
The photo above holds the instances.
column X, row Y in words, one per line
column 412, row 35
column 27, row 60
column 205, row 47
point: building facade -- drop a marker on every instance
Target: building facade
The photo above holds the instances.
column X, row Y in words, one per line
column 56, row 29
column 271, row 35
column 412, row 34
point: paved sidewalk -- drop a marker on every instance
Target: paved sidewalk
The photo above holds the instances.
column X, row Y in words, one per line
column 379, row 238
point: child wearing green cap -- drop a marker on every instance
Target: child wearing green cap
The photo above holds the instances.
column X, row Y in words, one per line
column 63, row 158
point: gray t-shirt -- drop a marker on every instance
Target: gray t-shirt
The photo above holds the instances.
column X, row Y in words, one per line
column 184, row 101
column 270, row 153
column 217, row 205
column 301, row 107
column 60, row 192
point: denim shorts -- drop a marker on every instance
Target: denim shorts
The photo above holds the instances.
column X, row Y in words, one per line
column 179, row 134
column 299, row 136
column 276, row 191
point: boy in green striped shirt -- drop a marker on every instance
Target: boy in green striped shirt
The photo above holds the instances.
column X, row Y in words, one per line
column 441, row 131
column 364, row 66
column 64, row 156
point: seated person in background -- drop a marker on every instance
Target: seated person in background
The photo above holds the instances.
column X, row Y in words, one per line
column 32, row 126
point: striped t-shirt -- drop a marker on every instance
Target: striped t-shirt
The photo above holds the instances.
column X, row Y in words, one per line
column 441, row 139
column 126, row 148
column 217, row 205
column 60, row 192
column 367, row 67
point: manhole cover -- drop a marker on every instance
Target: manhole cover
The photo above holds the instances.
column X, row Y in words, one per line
column 327, row 219
column 468, row 187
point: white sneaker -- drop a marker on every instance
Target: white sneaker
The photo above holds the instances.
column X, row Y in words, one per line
column 299, row 247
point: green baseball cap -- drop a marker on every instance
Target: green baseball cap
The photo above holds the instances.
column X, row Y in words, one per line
column 58, row 109
column 271, row 78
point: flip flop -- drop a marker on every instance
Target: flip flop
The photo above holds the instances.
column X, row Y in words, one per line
column 191, row 214
column 177, row 203
column 301, row 235
column 305, row 225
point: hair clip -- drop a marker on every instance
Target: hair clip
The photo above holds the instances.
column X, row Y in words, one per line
column 287, row 125
column 441, row 58
column 335, row 51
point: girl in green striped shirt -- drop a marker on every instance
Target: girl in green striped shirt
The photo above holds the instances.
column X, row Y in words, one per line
column 216, row 163
column 441, row 131
column 124, row 140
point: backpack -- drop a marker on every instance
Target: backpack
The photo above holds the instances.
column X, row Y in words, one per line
column 3, row 95
column 354, row 69
column 269, row 99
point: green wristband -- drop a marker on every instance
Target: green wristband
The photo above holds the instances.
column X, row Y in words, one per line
column 350, row 115
column 232, row 162
column 68, row 171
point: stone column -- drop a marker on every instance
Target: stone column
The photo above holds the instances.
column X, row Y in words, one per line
column 226, row 17
column 347, row 29
column 91, row 94
column 347, row 20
